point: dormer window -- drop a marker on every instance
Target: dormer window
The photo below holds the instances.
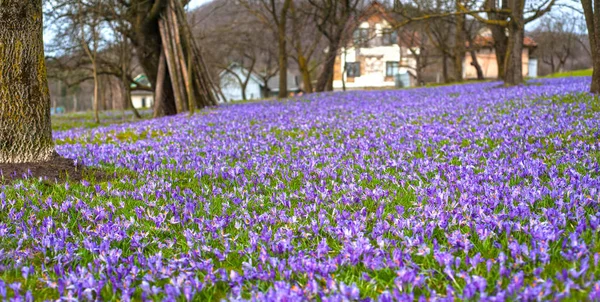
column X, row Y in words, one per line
column 389, row 37
column 361, row 36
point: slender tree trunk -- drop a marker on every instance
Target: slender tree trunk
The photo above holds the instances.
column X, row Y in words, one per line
column 282, row 43
column 475, row 63
column 445, row 68
column 25, row 130
column 459, row 46
column 96, row 92
column 127, row 102
column 75, row 102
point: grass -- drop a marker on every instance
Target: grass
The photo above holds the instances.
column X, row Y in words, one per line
column 278, row 194
column 574, row 73
column 85, row 119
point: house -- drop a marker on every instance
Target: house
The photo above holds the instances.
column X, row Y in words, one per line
column 231, row 80
column 375, row 58
column 233, row 77
column 141, row 99
column 486, row 57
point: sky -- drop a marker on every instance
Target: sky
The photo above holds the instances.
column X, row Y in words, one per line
column 196, row 3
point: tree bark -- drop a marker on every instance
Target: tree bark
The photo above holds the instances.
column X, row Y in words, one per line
column 459, row 46
column 513, row 66
column 305, row 70
column 591, row 10
column 445, row 68
column 96, row 92
column 148, row 44
column 499, row 34
column 475, row 63
column 25, row 129
column 329, row 65
column 163, row 104
column 283, row 57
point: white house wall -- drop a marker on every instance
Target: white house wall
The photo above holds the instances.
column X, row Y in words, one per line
column 231, row 88
column 137, row 101
column 375, row 74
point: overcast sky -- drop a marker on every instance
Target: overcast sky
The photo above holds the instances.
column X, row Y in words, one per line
column 196, row 3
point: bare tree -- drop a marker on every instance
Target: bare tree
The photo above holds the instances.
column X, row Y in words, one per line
column 506, row 21
column 557, row 39
column 507, row 24
column 88, row 28
column 274, row 15
column 306, row 41
column 333, row 19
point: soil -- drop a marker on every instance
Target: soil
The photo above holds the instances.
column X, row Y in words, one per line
column 58, row 169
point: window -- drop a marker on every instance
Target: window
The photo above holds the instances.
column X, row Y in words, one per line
column 143, row 102
column 389, row 37
column 361, row 36
column 391, row 69
column 353, row 69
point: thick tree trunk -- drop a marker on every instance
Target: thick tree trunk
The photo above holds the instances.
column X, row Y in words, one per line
column 304, row 70
column 327, row 72
column 148, row 46
column 591, row 11
column 500, row 48
column 96, row 93
column 25, row 130
column 163, row 104
column 513, row 67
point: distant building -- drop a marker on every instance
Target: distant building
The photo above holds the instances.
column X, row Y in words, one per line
column 234, row 75
column 141, row 99
column 486, row 57
column 232, row 88
column 376, row 56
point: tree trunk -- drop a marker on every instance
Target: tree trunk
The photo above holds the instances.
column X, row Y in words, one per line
column 282, row 43
column 304, row 69
column 499, row 34
column 500, row 47
column 591, row 11
column 96, row 92
column 75, row 102
column 148, row 46
column 127, row 102
column 163, row 105
column 459, row 47
column 513, row 66
column 596, row 79
column 475, row 63
column 445, row 68
column 327, row 72
column 25, row 130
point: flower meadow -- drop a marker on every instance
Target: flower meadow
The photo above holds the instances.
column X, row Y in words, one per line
column 469, row 192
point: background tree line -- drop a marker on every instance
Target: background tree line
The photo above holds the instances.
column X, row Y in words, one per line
column 99, row 46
